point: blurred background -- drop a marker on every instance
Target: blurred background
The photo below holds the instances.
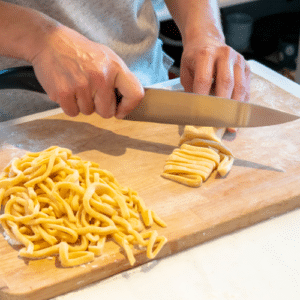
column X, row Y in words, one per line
column 267, row 31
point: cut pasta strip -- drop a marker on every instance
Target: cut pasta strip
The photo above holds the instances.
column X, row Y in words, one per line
column 73, row 258
column 225, row 165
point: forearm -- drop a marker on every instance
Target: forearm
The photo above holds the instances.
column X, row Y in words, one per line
column 196, row 18
column 23, row 31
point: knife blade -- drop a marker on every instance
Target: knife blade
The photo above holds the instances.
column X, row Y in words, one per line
column 181, row 108
column 173, row 107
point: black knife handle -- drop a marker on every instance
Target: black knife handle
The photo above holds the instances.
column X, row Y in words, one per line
column 20, row 78
column 24, row 78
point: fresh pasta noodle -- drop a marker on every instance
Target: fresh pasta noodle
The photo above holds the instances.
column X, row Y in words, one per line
column 200, row 153
column 204, row 133
column 57, row 204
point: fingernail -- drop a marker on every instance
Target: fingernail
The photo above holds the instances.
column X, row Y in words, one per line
column 112, row 110
column 232, row 130
column 120, row 116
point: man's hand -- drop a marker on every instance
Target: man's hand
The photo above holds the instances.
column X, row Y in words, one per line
column 78, row 74
column 207, row 62
column 209, row 65
column 81, row 76
column 215, row 68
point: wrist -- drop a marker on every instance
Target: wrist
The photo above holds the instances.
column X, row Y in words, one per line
column 35, row 39
column 24, row 31
column 201, row 33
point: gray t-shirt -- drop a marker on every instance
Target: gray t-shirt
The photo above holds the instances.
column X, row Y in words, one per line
column 129, row 27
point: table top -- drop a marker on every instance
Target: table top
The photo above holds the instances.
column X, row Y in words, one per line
column 259, row 262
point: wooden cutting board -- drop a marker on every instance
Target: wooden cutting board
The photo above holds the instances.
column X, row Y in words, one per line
column 264, row 182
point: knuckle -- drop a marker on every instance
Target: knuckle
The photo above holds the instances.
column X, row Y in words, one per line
column 240, row 62
column 240, row 89
column 226, row 82
column 239, row 65
column 206, row 51
column 203, row 81
column 240, row 58
column 100, row 79
column 62, row 94
column 82, row 83
column 247, row 70
column 225, row 52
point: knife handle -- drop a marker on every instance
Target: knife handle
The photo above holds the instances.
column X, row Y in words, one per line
column 20, row 78
column 24, row 78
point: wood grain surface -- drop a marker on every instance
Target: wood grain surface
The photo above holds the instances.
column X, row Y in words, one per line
column 263, row 183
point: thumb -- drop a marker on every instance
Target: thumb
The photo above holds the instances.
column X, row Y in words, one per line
column 131, row 92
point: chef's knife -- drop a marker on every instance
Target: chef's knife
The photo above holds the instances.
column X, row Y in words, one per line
column 173, row 107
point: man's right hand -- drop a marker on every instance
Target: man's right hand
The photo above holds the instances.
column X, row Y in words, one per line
column 81, row 75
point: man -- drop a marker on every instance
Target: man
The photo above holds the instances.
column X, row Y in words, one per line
column 82, row 52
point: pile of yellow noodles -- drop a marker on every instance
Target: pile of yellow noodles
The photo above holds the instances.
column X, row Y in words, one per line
column 56, row 203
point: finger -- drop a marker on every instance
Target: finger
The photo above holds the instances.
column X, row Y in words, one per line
column 105, row 102
column 225, row 75
column 85, row 101
column 187, row 76
column 232, row 130
column 247, row 74
column 65, row 96
column 59, row 91
column 204, row 74
column 239, row 90
column 131, row 90
column 248, row 81
column 104, row 97
column 67, row 102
